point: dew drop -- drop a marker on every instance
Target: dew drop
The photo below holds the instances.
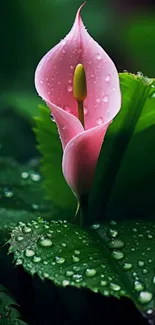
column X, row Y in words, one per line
column 65, row 283
column 153, row 280
column 24, row 175
column 90, row 273
column 60, row 260
column 117, row 255
column 138, row 286
column 69, row 273
column 29, row 253
column 35, row 177
column 106, row 293
column 115, row 243
column 46, row 242
column 8, row 194
column 103, row 283
column 85, row 110
column 77, row 277
column 69, row 88
column 127, row 266
column 145, row 297
column 98, row 57
column 26, row 230
column 45, row 275
column 19, row 261
column 112, row 233
column 99, row 121
column 71, row 67
column 67, row 108
column 107, row 78
column 95, row 226
column 145, row 271
column 63, row 41
column 63, row 244
column 76, row 252
column 75, row 259
column 115, row 287
column 19, row 238
column 149, row 236
column 105, row 99
column 36, row 259
column 141, row 263
column 98, row 100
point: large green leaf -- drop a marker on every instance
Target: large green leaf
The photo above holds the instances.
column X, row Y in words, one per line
column 50, row 147
column 9, row 314
column 113, row 259
column 125, row 174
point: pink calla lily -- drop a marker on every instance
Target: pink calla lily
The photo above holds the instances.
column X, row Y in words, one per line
column 54, row 83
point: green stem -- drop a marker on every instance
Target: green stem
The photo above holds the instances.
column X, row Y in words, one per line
column 81, row 215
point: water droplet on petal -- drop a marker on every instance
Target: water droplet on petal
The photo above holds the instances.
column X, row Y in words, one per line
column 63, row 41
column 98, row 57
column 85, row 110
column 98, row 100
column 107, row 78
column 69, row 88
column 105, row 99
column 67, row 108
column 99, row 121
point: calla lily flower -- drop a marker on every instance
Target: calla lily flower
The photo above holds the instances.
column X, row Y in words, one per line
column 54, row 83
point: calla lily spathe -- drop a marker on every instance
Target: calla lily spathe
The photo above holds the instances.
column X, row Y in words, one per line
column 54, row 83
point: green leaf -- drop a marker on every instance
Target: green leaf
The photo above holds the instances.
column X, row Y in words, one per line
column 9, row 314
column 21, row 188
column 125, row 174
column 24, row 103
column 50, row 147
column 113, row 259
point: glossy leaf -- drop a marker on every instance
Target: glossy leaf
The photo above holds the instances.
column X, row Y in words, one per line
column 125, row 174
column 113, row 259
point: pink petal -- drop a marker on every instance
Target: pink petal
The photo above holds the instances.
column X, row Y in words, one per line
column 80, row 158
column 54, row 78
column 104, row 98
